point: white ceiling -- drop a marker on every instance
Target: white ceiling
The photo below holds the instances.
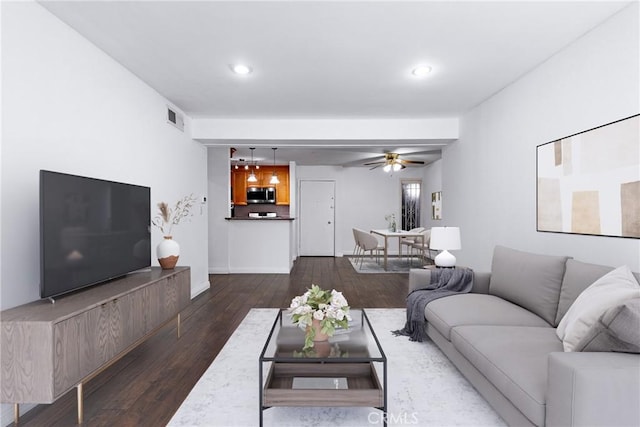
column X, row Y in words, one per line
column 331, row 59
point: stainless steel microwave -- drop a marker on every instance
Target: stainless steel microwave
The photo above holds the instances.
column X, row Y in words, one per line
column 261, row 195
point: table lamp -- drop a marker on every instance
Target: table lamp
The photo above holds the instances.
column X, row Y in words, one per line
column 445, row 238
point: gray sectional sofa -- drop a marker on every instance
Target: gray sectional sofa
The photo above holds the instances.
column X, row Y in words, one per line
column 502, row 338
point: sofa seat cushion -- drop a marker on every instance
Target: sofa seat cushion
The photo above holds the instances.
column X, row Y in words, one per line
column 477, row 309
column 514, row 359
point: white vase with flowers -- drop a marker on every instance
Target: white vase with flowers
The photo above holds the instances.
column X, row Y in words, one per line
column 168, row 250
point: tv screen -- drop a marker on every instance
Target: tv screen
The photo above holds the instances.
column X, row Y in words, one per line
column 91, row 231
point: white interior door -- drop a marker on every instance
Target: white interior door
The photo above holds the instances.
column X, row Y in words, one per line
column 317, row 218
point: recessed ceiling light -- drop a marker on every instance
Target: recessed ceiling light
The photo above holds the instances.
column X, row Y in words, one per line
column 241, row 69
column 421, row 70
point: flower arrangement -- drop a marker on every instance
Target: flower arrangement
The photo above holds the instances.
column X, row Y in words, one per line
column 330, row 309
column 168, row 217
column 391, row 219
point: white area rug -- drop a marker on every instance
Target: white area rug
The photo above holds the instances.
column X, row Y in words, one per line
column 424, row 388
column 394, row 265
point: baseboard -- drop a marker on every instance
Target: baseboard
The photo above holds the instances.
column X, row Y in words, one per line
column 6, row 412
column 200, row 289
column 218, row 270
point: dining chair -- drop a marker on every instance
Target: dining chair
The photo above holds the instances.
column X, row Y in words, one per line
column 369, row 242
column 423, row 246
column 408, row 241
column 357, row 248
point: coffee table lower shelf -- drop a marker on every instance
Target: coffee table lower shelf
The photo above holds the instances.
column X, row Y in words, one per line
column 363, row 386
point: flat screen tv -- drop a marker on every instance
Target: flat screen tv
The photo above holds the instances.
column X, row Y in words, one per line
column 91, row 231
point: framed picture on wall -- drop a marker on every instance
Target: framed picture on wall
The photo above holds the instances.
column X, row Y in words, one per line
column 589, row 182
column 436, row 205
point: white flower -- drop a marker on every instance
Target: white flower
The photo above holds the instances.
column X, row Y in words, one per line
column 318, row 314
column 296, row 302
column 302, row 310
column 337, row 299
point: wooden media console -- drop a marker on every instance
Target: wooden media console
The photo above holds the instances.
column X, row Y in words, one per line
column 47, row 349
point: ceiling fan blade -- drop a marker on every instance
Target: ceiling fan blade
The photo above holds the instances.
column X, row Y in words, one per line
column 377, row 166
column 415, row 162
column 375, row 163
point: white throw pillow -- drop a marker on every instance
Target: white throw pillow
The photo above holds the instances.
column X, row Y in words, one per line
column 612, row 289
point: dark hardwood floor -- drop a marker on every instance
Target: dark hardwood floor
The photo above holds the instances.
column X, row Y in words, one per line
column 147, row 386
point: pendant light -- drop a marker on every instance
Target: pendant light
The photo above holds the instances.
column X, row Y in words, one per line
column 252, row 175
column 274, row 177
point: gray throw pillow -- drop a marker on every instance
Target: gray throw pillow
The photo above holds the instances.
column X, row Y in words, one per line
column 530, row 280
column 618, row 329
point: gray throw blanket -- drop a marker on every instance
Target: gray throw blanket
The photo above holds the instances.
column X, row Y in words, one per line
column 444, row 282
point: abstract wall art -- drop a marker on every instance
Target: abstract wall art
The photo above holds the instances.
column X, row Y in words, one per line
column 436, row 205
column 589, row 183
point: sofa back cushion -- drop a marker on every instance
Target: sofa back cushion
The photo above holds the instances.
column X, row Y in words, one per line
column 577, row 277
column 532, row 281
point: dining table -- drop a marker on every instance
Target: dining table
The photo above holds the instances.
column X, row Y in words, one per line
column 400, row 234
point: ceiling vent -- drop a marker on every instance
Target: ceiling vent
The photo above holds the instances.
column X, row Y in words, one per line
column 175, row 118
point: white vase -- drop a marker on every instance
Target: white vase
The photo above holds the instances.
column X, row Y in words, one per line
column 168, row 252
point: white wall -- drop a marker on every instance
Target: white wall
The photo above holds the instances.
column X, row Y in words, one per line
column 489, row 175
column 69, row 107
column 260, row 246
column 363, row 198
column 329, row 131
column 293, row 205
column 431, row 183
column 219, row 204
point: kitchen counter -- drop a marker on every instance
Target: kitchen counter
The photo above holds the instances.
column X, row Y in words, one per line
column 246, row 218
column 261, row 245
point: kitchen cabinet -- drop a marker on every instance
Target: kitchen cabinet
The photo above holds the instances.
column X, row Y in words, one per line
column 239, row 186
column 282, row 189
column 239, row 183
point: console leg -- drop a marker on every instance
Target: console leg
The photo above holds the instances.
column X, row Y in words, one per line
column 16, row 413
column 80, row 407
column 178, row 326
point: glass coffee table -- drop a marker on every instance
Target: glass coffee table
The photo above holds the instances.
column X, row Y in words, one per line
column 343, row 371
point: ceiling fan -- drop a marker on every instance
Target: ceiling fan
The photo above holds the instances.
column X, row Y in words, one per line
column 393, row 162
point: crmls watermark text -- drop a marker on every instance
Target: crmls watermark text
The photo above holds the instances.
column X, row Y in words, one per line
column 403, row 418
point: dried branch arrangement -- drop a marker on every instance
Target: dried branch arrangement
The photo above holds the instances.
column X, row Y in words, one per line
column 168, row 217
